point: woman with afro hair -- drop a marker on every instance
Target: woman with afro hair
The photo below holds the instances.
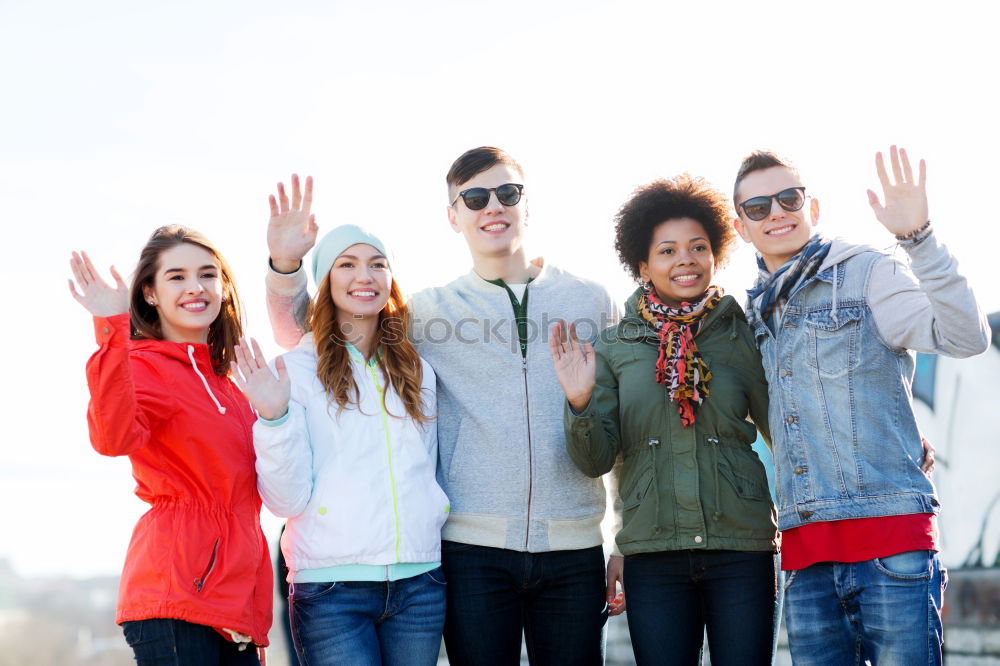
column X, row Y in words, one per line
column 677, row 391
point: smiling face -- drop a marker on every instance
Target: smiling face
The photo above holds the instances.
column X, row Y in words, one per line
column 496, row 230
column 680, row 263
column 187, row 292
column 780, row 235
column 359, row 283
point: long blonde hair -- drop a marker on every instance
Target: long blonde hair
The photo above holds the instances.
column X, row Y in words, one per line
column 395, row 355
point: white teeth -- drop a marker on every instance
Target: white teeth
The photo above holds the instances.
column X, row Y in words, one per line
column 682, row 278
column 200, row 305
column 499, row 226
column 780, row 230
column 363, row 293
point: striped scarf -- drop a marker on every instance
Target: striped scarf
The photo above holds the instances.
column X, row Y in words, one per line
column 769, row 294
column 679, row 365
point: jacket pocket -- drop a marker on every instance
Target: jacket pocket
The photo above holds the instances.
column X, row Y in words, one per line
column 744, row 472
column 834, row 340
column 199, row 582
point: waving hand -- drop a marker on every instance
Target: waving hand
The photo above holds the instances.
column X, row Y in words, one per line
column 100, row 298
column 574, row 364
column 905, row 206
column 291, row 231
column 267, row 394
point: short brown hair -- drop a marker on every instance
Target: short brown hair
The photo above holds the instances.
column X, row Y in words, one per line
column 227, row 328
column 759, row 160
column 669, row 199
column 475, row 161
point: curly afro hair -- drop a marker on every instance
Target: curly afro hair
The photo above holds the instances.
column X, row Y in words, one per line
column 668, row 199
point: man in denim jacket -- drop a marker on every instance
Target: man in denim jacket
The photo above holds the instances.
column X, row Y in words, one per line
column 835, row 323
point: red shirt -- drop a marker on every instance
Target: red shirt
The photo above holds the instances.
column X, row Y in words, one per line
column 857, row 540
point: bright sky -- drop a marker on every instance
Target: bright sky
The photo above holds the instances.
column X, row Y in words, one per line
column 119, row 116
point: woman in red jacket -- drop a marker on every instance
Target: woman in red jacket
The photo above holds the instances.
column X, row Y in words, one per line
column 196, row 586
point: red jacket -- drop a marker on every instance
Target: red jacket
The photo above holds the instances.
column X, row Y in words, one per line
column 199, row 553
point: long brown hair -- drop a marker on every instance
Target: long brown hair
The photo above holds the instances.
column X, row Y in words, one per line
column 227, row 328
column 395, row 355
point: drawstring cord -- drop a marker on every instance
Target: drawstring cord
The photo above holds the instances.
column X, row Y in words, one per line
column 714, row 441
column 208, row 389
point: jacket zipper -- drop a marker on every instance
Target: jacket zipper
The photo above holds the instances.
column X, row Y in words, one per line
column 531, row 474
column 200, row 582
column 388, row 446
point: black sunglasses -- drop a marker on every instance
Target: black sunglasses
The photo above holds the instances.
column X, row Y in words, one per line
column 476, row 198
column 758, row 208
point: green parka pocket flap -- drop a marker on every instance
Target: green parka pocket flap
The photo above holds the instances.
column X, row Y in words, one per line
column 637, row 491
column 743, row 470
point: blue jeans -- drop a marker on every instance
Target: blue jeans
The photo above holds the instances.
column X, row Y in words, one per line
column 555, row 598
column 673, row 596
column 886, row 611
column 397, row 623
column 164, row 642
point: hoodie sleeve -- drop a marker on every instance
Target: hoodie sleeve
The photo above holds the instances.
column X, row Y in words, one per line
column 928, row 306
column 284, row 460
column 287, row 298
column 128, row 397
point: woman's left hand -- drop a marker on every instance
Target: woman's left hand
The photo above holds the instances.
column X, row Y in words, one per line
column 268, row 394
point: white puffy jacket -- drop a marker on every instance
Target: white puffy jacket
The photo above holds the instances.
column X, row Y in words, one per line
column 358, row 487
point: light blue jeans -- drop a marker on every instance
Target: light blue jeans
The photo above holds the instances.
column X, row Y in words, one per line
column 885, row 611
column 396, row 623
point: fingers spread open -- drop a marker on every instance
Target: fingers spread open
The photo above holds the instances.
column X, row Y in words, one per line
column 274, row 205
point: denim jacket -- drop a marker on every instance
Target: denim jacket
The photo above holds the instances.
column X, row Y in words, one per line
column 846, row 443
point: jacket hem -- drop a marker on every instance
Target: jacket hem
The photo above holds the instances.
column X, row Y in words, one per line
column 711, row 543
column 170, row 611
column 492, row 531
column 821, row 511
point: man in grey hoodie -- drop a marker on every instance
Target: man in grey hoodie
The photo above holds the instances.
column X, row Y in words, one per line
column 835, row 323
column 522, row 546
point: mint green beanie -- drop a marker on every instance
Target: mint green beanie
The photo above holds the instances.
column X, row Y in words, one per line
column 335, row 242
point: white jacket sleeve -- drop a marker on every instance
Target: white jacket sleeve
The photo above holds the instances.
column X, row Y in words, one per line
column 284, row 463
column 928, row 306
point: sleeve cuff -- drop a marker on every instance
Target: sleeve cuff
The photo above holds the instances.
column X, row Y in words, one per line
column 286, row 284
column 275, row 422
column 113, row 329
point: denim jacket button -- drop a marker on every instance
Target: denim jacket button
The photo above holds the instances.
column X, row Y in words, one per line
column 790, row 420
column 805, row 514
column 800, row 470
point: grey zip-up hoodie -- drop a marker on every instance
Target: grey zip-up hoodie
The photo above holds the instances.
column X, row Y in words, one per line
column 501, row 443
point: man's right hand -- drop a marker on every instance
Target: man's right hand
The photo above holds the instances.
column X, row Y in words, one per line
column 291, row 231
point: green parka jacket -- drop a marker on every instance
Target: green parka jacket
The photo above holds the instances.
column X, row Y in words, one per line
column 701, row 487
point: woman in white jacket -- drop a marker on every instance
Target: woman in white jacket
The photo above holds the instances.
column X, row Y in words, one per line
column 347, row 449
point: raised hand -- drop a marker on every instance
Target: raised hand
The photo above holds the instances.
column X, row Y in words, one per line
column 100, row 298
column 267, row 394
column 905, row 208
column 291, row 231
column 575, row 364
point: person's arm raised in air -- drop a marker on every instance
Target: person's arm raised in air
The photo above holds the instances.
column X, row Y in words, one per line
column 291, row 233
column 927, row 306
column 127, row 396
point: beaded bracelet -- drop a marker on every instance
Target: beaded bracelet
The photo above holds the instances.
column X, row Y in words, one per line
column 909, row 235
column 918, row 239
